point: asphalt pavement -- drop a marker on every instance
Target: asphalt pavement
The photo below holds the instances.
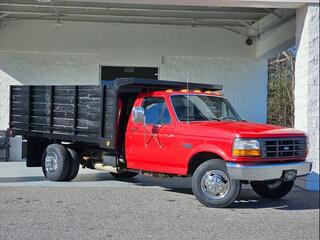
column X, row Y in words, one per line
column 96, row 206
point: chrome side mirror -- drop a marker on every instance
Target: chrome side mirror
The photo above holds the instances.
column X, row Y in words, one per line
column 138, row 115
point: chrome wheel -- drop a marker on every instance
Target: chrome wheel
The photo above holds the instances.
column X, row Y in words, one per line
column 51, row 162
column 215, row 184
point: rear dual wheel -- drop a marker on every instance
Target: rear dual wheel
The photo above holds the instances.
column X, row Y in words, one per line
column 60, row 163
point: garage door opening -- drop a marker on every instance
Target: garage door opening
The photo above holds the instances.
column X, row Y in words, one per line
column 109, row 73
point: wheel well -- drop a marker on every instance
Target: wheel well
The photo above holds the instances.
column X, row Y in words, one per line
column 200, row 158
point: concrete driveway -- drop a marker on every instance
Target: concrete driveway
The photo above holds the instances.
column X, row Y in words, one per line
column 95, row 206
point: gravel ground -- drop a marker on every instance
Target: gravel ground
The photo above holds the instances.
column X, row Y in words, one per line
column 151, row 213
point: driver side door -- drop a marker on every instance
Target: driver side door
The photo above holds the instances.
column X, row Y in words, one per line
column 151, row 146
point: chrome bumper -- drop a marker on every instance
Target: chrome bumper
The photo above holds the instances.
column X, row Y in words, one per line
column 261, row 172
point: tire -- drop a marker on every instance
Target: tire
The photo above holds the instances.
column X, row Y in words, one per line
column 74, row 165
column 272, row 189
column 55, row 162
column 123, row 175
column 203, row 179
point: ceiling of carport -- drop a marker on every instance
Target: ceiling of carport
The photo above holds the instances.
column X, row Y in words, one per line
column 239, row 20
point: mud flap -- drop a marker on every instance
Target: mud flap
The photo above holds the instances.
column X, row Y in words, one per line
column 35, row 149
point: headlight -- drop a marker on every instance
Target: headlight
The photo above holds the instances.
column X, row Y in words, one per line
column 246, row 148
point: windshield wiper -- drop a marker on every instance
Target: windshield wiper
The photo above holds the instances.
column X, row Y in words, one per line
column 213, row 118
column 226, row 118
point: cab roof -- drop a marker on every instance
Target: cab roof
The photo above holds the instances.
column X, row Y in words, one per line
column 152, row 84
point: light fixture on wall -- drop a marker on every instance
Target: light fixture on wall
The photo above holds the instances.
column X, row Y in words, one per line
column 249, row 41
column 43, row 1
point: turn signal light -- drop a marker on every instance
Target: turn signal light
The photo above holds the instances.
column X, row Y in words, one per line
column 217, row 93
column 246, row 152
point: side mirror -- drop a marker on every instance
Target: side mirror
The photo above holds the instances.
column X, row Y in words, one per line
column 138, row 115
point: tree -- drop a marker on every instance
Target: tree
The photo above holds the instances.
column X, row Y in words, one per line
column 281, row 88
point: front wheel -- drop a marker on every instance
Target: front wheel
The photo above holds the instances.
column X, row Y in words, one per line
column 272, row 189
column 212, row 185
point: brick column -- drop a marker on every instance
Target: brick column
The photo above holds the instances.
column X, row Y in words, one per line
column 307, row 85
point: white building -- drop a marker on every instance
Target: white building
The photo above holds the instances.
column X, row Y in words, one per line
column 68, row 42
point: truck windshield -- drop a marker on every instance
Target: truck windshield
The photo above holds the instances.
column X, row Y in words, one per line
column 194, row 107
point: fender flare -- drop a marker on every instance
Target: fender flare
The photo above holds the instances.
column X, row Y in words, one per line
column 205, row 148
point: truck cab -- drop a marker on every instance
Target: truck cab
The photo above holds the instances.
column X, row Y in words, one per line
column 156, row 128
column 199, row 134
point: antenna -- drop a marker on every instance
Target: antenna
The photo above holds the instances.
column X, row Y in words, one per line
column 188, row 113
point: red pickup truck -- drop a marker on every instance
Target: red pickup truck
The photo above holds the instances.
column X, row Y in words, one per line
column 157, row 128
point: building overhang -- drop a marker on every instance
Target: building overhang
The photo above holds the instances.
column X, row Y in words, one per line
column 218, row 3
column 240, row 17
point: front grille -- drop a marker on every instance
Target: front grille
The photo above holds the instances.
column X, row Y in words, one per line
column 283, row 147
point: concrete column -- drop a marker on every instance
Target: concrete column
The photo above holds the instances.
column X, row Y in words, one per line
column 307, row 85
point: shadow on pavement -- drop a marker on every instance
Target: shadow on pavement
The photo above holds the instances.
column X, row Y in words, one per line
column 106, row 178
column 21, row 179
column 296, row 200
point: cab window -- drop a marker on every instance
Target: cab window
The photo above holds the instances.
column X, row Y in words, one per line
column 156, row 111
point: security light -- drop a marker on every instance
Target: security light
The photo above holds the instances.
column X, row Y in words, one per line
column 249, row 41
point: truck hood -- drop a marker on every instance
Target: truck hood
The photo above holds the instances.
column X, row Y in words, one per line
column 225, row 129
